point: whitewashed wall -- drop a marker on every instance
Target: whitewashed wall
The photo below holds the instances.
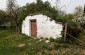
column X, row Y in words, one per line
column 45, row 27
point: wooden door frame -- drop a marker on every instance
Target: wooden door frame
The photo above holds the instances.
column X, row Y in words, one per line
column 31, row 26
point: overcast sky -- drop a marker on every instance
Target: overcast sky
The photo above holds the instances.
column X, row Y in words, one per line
column 67, row 5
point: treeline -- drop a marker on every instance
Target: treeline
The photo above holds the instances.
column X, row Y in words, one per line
column 14, row 15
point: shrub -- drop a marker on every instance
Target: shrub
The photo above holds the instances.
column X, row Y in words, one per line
column 51, row 39
column 58, row 40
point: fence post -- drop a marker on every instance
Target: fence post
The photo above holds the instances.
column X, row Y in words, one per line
column 65, row 31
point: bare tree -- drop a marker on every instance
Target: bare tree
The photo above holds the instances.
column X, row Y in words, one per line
column 12, row 8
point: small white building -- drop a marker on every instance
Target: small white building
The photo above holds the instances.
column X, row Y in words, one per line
column 41, row 26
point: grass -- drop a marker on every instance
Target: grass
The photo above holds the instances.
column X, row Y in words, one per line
column 9, row 42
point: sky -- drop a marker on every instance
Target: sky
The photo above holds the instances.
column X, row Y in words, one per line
column 66, row 5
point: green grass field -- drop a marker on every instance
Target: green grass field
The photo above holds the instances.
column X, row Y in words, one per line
column 10, row 41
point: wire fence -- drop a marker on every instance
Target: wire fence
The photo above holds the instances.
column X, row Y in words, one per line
column 72, row 32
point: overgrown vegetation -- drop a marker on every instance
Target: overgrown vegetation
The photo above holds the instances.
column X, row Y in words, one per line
column 9, row 40
column 9, row 45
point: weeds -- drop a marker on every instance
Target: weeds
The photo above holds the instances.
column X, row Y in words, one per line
column 9, row 42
